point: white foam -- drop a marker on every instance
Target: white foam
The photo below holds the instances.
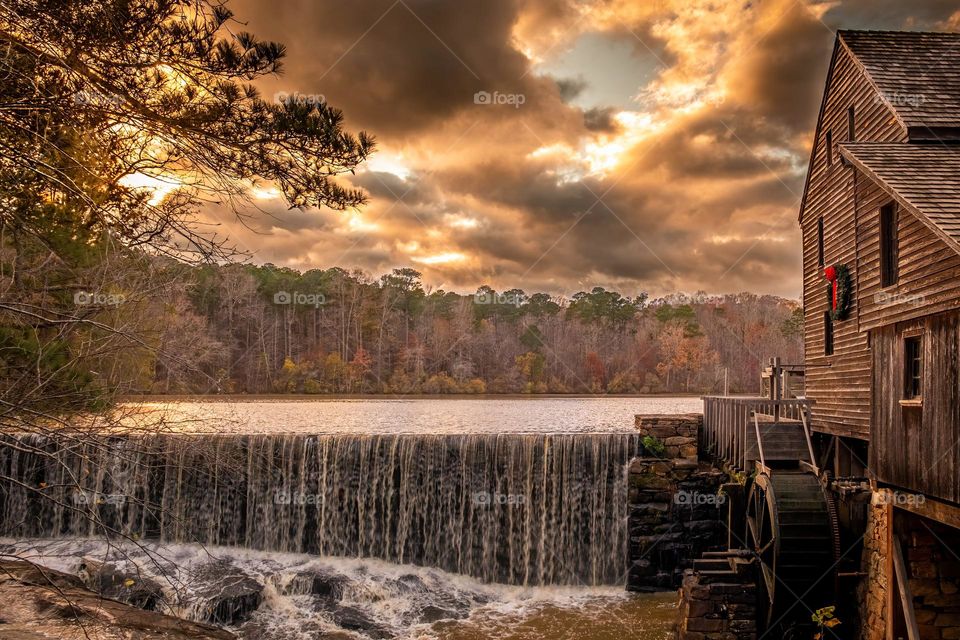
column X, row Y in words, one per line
column 390, row 595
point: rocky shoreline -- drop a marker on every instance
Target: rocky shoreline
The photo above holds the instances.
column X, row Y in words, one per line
column 41, row 603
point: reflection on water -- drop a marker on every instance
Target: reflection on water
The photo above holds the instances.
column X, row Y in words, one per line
column 637, row 617
column 415, row 416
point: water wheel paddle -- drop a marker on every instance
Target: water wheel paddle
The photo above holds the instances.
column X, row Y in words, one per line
column 789, row 532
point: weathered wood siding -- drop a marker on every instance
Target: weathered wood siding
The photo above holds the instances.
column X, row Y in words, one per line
column 839, row 384
column 928, row 269
column 918, row 448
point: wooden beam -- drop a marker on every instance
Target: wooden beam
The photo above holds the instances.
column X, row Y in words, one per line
column 903, row 585
column 931, row 508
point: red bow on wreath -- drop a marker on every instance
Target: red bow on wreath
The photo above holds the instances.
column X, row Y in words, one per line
column 831, row 274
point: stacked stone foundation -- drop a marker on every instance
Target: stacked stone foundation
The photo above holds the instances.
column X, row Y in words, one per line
column 717, row 607
column 676, row 509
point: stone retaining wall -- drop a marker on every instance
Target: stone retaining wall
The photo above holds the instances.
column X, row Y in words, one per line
column 872, row 591
column 676, row 510
column 716, row 610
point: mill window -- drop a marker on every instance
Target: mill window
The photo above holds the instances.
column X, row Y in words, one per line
column 888, row 245
column 820, row 242
column 827, row 334
column 913, row 367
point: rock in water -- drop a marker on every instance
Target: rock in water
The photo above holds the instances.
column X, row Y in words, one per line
column 111, row 582
column 43, row 604
column 230, row 595
column 354, row 619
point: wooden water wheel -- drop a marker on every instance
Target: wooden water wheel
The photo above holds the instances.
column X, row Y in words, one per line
column 790, row 532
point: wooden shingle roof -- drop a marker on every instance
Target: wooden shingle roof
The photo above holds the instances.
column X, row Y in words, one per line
column 924, row 178
column 917, row 73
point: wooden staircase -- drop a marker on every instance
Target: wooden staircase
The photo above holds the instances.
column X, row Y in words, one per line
column 731, row 566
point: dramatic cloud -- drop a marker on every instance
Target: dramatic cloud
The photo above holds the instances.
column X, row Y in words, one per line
column 564, row 144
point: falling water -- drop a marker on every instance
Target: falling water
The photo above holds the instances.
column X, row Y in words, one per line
column 517, row 509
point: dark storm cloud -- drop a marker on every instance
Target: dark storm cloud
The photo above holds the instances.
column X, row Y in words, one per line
column 698, row 180
column 527, row 187
column 600, row 119
column 388, row 186
column 570, row 88
column 396, row 67
column 889, row 14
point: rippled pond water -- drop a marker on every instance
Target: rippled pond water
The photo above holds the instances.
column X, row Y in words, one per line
column 413, row 416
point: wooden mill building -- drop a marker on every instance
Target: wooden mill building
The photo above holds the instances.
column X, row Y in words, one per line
column 881, row 215
column 851, row 487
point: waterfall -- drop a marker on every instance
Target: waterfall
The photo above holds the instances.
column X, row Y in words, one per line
column 517, row 509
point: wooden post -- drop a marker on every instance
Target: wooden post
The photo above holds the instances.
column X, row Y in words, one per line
column 775, row 389
column 903, row 584
column 888, row 568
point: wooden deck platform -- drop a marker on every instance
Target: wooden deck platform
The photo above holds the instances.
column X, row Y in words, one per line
column 731, row 426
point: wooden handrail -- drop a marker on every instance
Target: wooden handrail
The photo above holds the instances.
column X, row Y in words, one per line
column 756, row 424
column 806, row 433
column 726, row 425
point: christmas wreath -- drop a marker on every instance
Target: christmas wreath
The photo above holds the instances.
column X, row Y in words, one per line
column 839, row 290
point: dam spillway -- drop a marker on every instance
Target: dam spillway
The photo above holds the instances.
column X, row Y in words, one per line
column 520, row 509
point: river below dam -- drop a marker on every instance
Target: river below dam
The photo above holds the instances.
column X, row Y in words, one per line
column 473, row 518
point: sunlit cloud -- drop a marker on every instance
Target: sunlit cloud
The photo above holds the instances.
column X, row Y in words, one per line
column 682, row 127
column 158, row 187
column 264, row 193
column 440, row 258
column 458, row 221
column 386, row 162
column 356, row 223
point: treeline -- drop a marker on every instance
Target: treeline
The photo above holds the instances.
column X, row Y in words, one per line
column 265, row 329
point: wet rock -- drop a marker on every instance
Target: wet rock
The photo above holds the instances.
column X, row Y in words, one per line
column 231, row 595
column 354, row 619
column 412, row 582
column 431, row 614
column 126, row 586
column 325, row 585
column 40, row 603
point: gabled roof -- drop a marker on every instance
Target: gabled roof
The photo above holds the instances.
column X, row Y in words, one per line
column 924, row 178
column 917, row 73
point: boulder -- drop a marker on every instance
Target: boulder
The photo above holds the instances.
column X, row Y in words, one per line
column 432, row 613
column 126, row 586
column 40, row 603
column 355, row 619
column 231, row 595
column 326, row 585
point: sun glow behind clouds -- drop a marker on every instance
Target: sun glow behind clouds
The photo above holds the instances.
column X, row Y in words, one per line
column 440, row 258
column 385, row 162
column 357, row 223
column 599, row 156
column 159, row 187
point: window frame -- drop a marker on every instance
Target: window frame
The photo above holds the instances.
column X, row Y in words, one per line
column 888, row 223
column 851, row 124
column 821, row 260
column 828, row 334
column 913, row 366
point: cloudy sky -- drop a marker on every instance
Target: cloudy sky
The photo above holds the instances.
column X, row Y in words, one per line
column 558, row 145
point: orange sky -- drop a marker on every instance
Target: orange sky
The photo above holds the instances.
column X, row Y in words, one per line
column 644, row 146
